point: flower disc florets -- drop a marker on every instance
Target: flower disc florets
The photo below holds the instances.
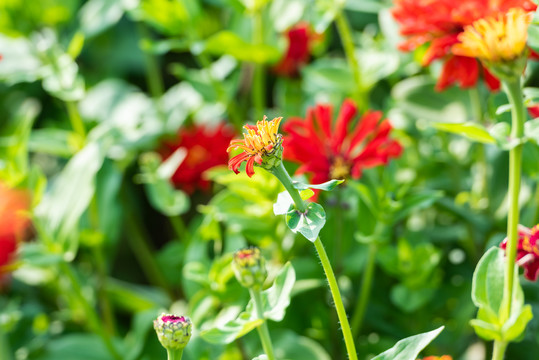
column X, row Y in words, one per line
column 499, row 42
column 173, row 331
column 250, row 268
column 261, row 144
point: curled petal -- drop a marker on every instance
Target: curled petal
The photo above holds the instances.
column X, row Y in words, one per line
column 236, row 161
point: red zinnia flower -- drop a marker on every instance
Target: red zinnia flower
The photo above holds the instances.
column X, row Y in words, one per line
column 333, row 151
column 206, row 148
column 443, row 357
column 439, row 22
column 13, row 221
column 527, row 251
column 300, row 38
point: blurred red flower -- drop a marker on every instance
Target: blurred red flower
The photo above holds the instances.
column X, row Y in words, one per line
column 14, row 223
column 300, row 38
column 339, row 150
column 206, row 148
column 527, row 251
column 443, row 357
column 533, row 111
column 438, row 23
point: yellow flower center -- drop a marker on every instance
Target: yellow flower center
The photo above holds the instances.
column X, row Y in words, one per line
column 495, row 39
column 340, row 169
column 264, row 138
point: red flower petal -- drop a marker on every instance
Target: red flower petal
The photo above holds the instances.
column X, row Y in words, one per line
column 458, row 70
column 235, row 162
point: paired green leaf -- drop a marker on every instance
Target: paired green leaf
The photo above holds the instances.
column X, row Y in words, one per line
column 487, row 294
column 410, row 347
column 471, row 130
column 327, row 186
column 308, row 223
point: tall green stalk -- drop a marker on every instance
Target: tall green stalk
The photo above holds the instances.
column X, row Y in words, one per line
column 365, row 291
column 345, row 33
column 153, row 74
column 174, row 354
column 518, row 116
column 263, row 331
column 259, row 76
column 283, row 176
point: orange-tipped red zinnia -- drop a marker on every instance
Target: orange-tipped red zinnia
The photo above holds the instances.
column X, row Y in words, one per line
column 14, row 222
column 261, row 144
column 438, row 23
column 206, row 148
column 339, row 150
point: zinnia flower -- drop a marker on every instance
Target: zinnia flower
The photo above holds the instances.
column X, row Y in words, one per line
column 300, row 38
column 205, row 146
column 439, row 23
column 338, row 150
column 527, row 251
column 261, row 144
column 498, row 41
column 443, row 357
column 13, row 221
column 173, row 331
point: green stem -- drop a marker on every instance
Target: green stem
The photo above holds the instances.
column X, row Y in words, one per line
column 518, row 115
column 285, row 179
column 499, row 350
column 263, row 331
column 334, row 288
column 345, row 33
column 174, row 354
column 5, row 351
column 144, row 253
column 153, row 74
column 365, row 292
column 94, row 322
column 75, row 118
column 283, row 176
column 180, row 229
column 259, row 76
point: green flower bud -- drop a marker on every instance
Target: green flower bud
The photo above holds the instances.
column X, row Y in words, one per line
column 250, row 268
column 173, row 331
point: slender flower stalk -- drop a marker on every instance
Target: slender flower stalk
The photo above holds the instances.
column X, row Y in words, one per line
column 262, row 329
column 500, row 43
column 249, row 267
column 365, row 292
column 283, row 176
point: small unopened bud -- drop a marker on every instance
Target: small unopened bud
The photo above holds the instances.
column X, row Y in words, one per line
column 250, row 268
column 173, row 331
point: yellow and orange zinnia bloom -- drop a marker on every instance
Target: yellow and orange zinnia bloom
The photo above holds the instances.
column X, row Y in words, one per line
column 496, row 39
column 258, row 143
column 437, row 24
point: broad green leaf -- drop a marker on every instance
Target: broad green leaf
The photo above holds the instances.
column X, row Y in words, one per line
column 283, row 203
column 515, row 326
column 261, row 357
column 277, row 298
column 472, row 131
column 291, row 346
column 531, row 130
column 533, row 33
column 488, row 279
column 501, row 132
column 20, row 61
column 410, row 347
column 228, row 43
column 327, row 186
column 309, row 223
column 54, row 141
column 135, row 298
column 97, row 16
column 232, row 330
column 61, row 208
column 486, row 330
column 75, row 346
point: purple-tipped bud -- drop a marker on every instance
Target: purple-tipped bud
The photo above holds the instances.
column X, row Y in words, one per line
column 173, row 331
column 250, row 268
